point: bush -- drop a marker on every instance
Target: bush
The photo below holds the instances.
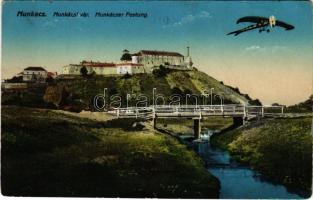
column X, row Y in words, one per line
column 126, row 76
column 255, row 102
column 83, row 71
column 15, row 79
column 126, row 57
column 176, row 90
column 161, row 72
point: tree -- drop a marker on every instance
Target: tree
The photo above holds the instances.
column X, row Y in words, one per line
column 56, row 94
column 126, row 76
column 177, row 90
column 161, row 72
column 15, row 79
column 255, row 102
column 126, row 57
column 49, row 79
column 83, row 71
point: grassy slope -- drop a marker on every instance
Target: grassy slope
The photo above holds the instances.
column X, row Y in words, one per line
column 281, row 149
column 45, row 153
column 202, row 81
column 187, row 81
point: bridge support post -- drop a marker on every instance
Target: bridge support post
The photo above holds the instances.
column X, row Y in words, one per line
column 154, row 122
column 196, row 128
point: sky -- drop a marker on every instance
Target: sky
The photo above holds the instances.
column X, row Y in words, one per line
column 273, row 67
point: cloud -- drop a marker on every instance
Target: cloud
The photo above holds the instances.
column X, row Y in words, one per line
column 253, row 48
column 273, row 49
column 189, row 19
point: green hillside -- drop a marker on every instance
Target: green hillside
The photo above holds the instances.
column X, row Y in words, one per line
column 83, row 89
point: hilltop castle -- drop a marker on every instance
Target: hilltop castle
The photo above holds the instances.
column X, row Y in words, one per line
column 144, row 61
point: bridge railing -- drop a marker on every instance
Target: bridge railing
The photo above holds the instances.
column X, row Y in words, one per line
column 264, row 110
column 273, row 110
column 133, row 112
column 229, row 109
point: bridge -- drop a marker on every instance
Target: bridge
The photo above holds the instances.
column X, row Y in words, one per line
column 198, row 112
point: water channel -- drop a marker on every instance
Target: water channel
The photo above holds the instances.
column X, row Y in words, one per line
column 237, row 181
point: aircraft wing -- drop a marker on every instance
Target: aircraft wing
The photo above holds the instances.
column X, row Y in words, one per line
column 248, row 28
column 284, row 25
column 252, row 19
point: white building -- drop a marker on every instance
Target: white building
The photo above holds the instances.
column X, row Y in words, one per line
column 92, row 67
column 129, row 68
column 34, row 74
column 151, row 59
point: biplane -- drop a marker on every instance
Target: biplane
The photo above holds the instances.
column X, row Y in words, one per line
column 261, row 23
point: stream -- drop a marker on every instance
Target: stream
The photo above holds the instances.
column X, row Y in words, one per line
column 237, row 181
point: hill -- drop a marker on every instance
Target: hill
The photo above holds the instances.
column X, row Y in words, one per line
column 63, row 154
column 305, row 106
column 69, row 89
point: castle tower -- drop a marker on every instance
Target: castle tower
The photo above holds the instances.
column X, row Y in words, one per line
column 188, row 59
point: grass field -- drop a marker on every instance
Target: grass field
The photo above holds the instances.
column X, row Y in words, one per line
column 46, row 153
column 281, row 149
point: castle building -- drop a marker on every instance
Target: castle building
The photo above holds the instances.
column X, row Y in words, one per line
column 130, row 68
column 144, row 61
column 92, row 67
column 34, row 74
column 152, row 59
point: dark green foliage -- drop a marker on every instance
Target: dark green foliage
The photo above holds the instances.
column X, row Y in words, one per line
column 32, row 97
column 15, row 79
column 126, row 76
column 161, row 72
column 306, row 106
column 255, row 102
column 176, row 90
column 247, row 96
column 49, row 79
column 237, row 89
column 83, row 71
column 126, row 57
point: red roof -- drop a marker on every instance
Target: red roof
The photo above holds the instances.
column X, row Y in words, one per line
column 97, row 64
column 104, row 65
column 131, row 64
column 158, row 53
column 51, row 74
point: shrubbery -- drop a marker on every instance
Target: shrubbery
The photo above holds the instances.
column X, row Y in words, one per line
column 161, row 72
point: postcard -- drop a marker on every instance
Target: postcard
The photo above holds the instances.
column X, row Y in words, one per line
column 157, row 99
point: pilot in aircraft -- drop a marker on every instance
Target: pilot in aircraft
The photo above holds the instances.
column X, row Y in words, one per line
column 261, row 23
